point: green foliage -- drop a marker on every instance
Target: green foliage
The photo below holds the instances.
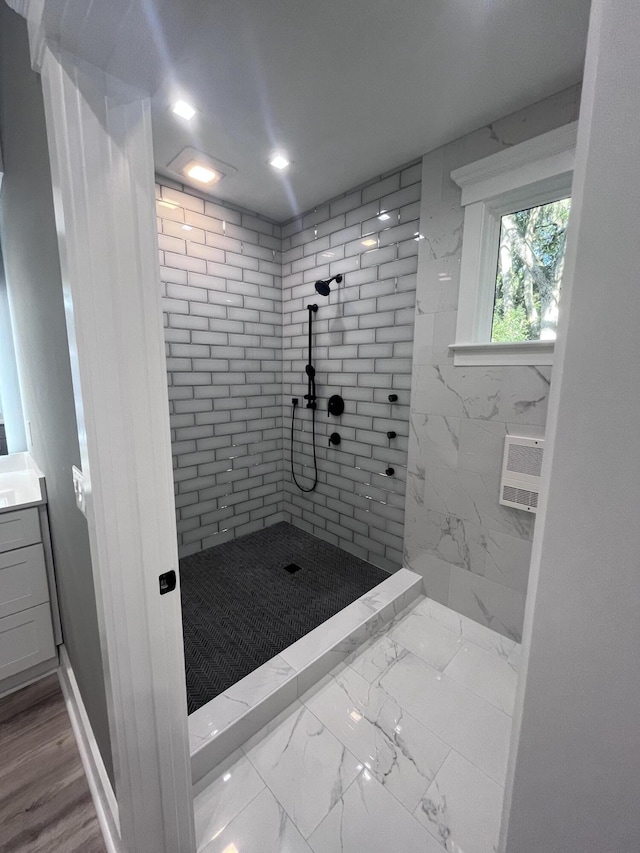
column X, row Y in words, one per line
column 530, row 263
column 511, row 325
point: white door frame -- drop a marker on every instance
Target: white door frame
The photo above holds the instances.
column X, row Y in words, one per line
column 99, row 135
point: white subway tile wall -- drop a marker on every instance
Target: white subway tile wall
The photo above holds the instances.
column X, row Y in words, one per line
column 222, row 298
column 236, row 335
column 362, row 349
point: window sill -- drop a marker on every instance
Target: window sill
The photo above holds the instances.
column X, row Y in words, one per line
column 492, row 355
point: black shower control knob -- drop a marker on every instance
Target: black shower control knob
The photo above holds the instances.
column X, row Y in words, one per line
column 390, row 472
column 334, row 438
column 336, row 405
column 391, row 434
column 393, row 398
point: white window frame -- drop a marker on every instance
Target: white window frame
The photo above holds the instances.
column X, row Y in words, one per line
column 536, row 172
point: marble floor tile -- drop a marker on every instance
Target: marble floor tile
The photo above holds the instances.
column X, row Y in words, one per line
column 304, row 765
column 486, row 674
column 373, row 660
column 429, row 640
column 465, row 721
column 387, row 753
column 400, row 752
column 462, row 808
column 237, row 783
column 467, row 628
column 262, row 827
column 367, row 819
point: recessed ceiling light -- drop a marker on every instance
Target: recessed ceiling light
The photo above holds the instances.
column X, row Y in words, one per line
column 198, row 172
column 184, row 110
column 369, row 242
column 383, row 217
column 168, row 204
column 278, row 161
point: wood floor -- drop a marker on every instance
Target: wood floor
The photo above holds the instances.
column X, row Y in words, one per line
column 45, row 804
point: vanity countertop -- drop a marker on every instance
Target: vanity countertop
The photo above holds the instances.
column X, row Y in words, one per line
column 21, row 482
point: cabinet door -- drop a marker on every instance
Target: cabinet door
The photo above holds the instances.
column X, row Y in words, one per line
column 26, row 639
column 23, row 580
column 19, row 528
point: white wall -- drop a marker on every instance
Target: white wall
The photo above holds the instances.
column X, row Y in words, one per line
column 577, row 735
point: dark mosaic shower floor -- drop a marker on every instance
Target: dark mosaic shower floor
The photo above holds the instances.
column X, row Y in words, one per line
column 240, row 607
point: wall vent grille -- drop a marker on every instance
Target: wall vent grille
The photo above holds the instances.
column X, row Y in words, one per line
column 521, row 469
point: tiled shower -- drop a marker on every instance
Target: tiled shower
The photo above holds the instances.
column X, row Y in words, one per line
column 235, row 291
column 236, row 288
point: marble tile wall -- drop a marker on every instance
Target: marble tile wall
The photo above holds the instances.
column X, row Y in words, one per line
column 222, row 299
column 473, row 552
column 363, row 351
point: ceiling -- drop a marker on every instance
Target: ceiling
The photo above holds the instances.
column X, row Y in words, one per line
column 348, row 88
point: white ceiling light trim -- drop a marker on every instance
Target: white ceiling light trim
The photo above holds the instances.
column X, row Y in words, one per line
column 198, row 169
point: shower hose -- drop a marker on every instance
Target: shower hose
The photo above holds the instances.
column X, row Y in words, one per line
column 313, row 433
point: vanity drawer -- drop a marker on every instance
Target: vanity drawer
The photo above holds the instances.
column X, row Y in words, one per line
column 26, row 639
column 23, row 580
column 19, row 528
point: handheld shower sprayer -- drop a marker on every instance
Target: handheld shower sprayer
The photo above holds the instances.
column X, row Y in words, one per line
column 323, row 287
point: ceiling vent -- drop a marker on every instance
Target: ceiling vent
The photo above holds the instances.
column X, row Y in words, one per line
column 521, row 469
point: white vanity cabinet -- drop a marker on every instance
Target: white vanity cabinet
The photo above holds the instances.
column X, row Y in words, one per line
column 29, row 620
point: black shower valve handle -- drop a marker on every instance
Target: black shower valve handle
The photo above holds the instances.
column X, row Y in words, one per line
column 391, row 434
column 334, row 439
column 390, row 472
column 393, row 398
column 335, row 406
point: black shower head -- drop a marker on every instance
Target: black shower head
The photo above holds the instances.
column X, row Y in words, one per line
column 323, row 287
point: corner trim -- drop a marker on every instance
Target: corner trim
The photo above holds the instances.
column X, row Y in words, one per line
column 102, row 792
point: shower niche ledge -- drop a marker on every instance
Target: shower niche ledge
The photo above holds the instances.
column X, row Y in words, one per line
column 222, row 725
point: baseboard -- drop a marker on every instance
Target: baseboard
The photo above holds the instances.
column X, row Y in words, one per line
column 102, row 792
column 28, row 677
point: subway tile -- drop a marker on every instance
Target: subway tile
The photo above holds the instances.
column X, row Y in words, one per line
column 171, row 244
column 381, row 188
column 182, row 199
column 361, row 214
column 184, row 262
column 223, row 213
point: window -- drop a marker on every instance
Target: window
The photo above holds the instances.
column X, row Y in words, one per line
column 517, row 206
column 530, row 263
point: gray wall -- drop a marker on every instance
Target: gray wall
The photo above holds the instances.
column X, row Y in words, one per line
column 473, row 552
column 362, row 350
column 28, row 236
column 222, row 300
column 576, row 728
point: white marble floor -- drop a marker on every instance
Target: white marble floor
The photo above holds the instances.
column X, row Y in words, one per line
column 401, row 748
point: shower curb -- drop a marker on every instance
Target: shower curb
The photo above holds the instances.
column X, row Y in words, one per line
column 221, row 726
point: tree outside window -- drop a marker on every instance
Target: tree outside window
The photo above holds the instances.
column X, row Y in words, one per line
column 530, row 265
